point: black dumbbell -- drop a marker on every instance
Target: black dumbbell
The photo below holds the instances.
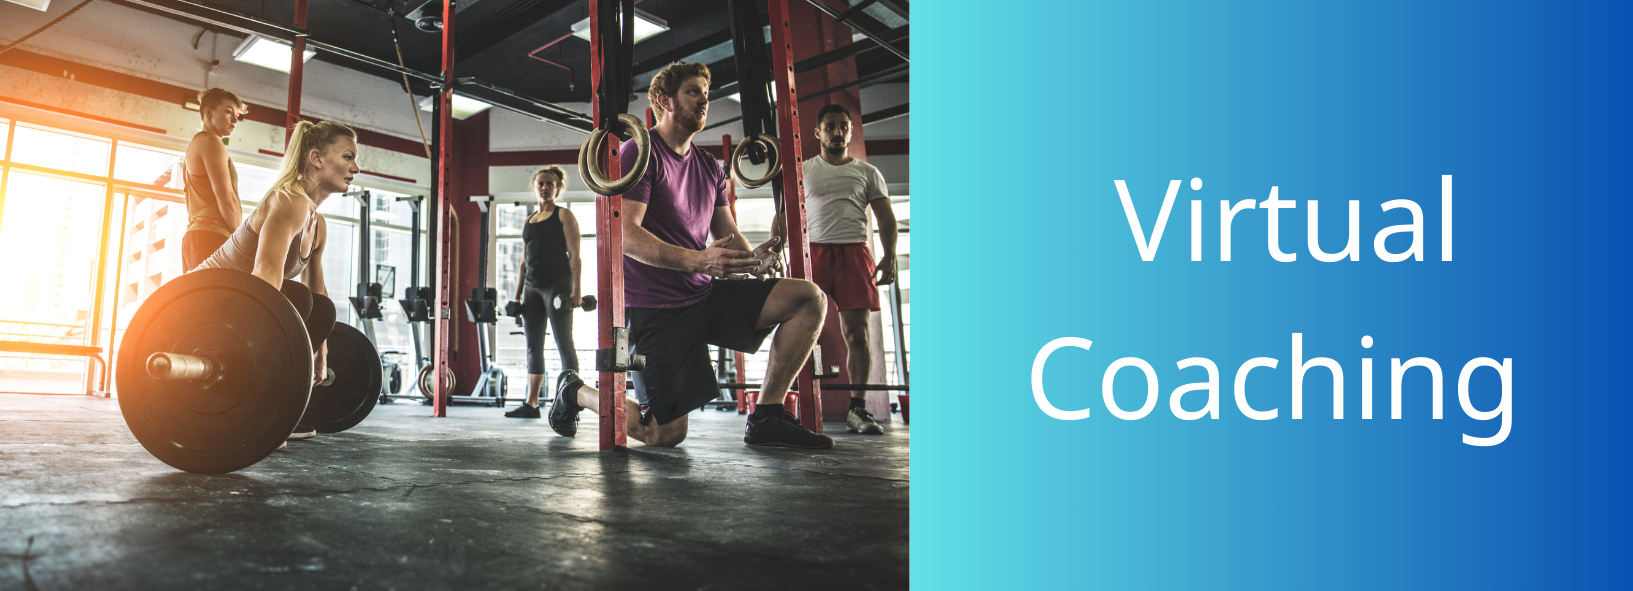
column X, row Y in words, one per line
column 587, row 306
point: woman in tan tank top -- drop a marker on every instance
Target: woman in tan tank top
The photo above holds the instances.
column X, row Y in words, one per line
column 282, row 239
column 210, row 179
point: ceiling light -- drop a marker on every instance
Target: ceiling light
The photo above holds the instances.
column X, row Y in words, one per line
column 739, row 97
column 464, row 106
column 646, row 25
column 39, row 5
column 267, row 53
column 428, row 17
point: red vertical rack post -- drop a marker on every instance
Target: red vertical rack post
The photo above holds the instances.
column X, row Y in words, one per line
column 447, row 283
column 609, row 248
column 793, row 185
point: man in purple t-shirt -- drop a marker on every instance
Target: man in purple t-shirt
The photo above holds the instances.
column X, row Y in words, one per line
column 683, row 292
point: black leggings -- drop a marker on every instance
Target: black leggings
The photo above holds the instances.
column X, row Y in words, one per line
column 317, row 311
column 536, row 305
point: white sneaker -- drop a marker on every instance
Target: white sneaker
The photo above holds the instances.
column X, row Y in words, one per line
column 302, row 432
column 861, row 421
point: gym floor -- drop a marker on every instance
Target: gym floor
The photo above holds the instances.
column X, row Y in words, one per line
column 471, row 501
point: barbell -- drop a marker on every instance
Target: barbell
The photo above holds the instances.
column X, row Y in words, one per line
column 215, row 371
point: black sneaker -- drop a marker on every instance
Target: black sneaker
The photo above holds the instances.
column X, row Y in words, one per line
column 564, row 410
column 783, row 431
column 524, row 411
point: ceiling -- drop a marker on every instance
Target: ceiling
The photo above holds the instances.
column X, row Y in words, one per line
column 494, row 38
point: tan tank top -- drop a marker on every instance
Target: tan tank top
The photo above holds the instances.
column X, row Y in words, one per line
column 239, row 253
column 203, row 211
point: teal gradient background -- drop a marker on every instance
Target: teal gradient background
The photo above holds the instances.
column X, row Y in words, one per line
column 1025, row 114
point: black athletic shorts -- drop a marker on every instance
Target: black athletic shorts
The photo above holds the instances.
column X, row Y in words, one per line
column 679, row 378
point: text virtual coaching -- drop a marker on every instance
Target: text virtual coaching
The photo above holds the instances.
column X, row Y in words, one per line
column 1147, row 249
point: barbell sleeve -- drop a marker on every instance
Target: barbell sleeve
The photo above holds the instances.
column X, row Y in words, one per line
column 177, row 366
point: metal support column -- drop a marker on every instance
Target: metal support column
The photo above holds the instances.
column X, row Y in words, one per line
column 738, row 358
column 293, row 115
column 101, row 276
column 900, row 331
column 113, row 311
column 606, row 35
column 793, row 188
column 415, row 310
column 365, row 301
column 446, row 284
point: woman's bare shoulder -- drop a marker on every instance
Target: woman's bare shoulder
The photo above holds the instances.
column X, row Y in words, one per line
column 286, row 208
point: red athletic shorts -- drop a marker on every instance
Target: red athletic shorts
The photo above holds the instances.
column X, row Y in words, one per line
column 845, row 273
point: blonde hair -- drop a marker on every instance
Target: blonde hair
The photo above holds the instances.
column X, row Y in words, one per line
column 308, row 136
column 668, row 83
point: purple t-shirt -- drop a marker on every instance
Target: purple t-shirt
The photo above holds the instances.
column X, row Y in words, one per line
column 680, row 194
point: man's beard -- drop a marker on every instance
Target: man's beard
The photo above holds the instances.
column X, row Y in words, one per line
column 834, row 149
column 692, row 124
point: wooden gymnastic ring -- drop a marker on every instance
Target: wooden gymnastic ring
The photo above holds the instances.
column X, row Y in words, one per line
column 770, row 142
column 599, row 182
column 425, row 385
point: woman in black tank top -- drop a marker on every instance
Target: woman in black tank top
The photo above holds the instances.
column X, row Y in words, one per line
column 550, row 288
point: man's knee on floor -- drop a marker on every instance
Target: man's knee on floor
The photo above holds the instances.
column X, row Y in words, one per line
column 666, row 437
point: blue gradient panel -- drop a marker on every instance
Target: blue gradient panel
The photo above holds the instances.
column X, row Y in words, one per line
column 1023, row 120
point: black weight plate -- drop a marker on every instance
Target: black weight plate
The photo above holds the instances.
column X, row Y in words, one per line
column 395, row 384
column 346, row 402
column 255, row 333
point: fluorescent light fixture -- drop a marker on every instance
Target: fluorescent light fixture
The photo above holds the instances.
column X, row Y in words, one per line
column 739, row 97
column 273, row 55
column 39, row 5
column 464, row 106
column 646, row 25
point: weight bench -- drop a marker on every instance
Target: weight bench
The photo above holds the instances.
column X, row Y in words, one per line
column 91, row 353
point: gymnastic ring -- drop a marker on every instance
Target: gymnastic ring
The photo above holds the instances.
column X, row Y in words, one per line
column 426, row 386
column 770, row 142
column 587, row 166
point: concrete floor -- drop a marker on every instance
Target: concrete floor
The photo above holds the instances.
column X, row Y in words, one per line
column 473, row 501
